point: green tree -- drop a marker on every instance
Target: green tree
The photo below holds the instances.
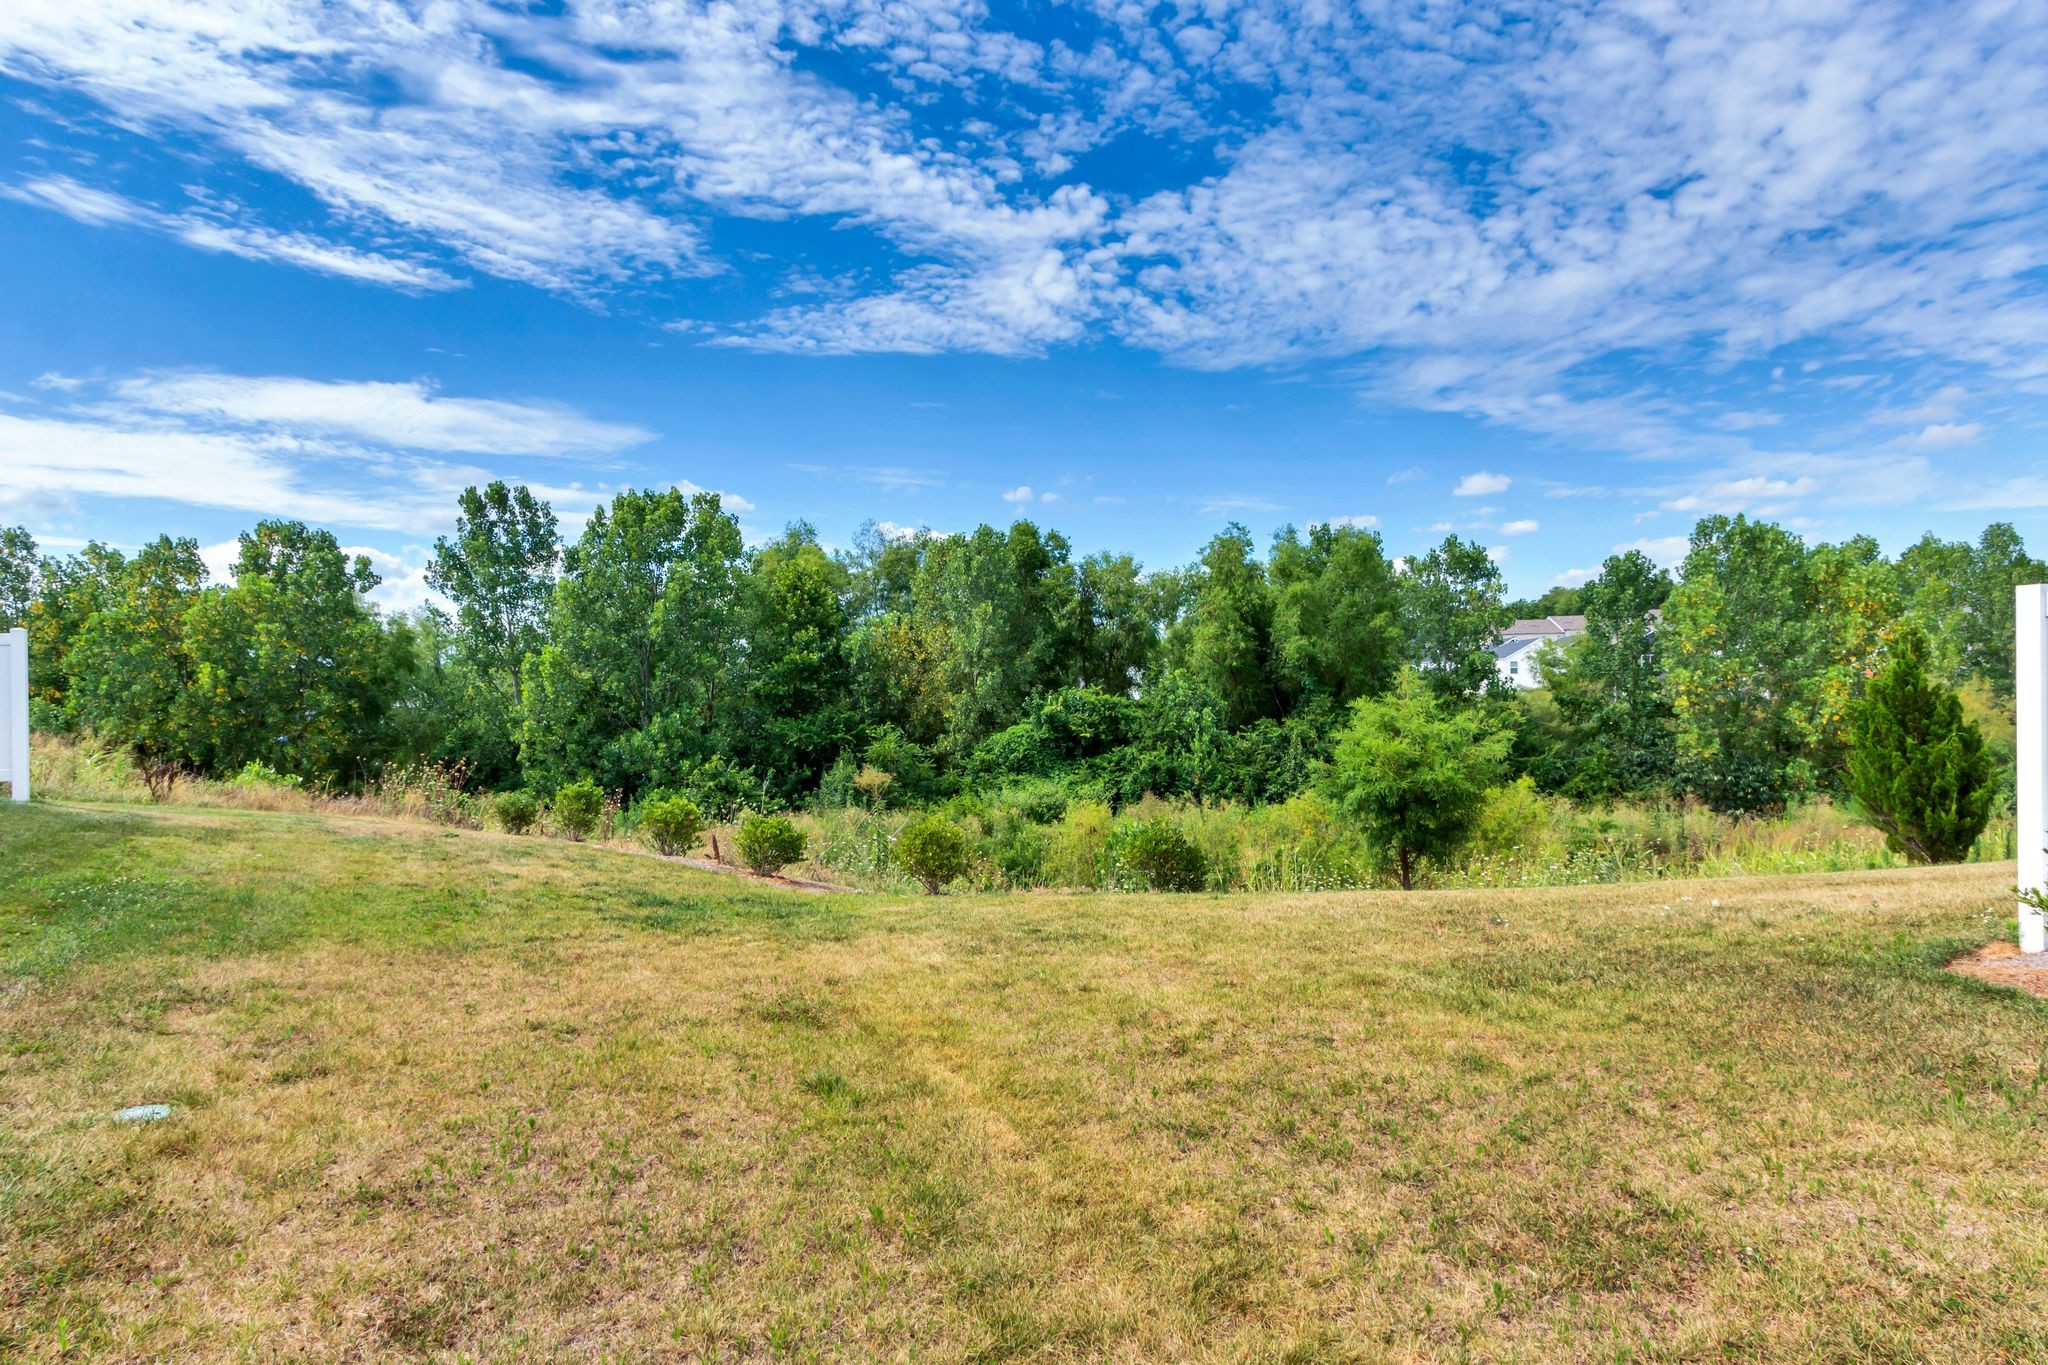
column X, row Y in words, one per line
column 644, row 640
column 297, row 670
column 1745, row 649
column 499, row 571
column 799, row 690
column 1413, row 774
column 1556, row 601
column 1916, row 767
column 1116, row 620
column 131, row 677
column 1609, row 685
column 68, row 592
column 1336, row 615
column 1227, row 637
column 1451, row 604
column 19, row 570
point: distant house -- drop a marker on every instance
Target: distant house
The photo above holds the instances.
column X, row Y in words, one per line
column 1523, row 642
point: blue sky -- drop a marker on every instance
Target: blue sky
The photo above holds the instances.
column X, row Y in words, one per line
column 1561, row 278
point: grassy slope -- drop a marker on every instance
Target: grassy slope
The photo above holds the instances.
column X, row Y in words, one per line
column 445, row 1093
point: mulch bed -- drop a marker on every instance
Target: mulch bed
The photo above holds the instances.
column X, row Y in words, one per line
column 2003, row 964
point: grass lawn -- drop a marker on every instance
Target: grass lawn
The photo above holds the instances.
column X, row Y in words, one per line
column 447, row 1094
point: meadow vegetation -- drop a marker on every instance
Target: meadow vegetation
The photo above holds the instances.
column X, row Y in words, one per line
column 443, row 1093
column 1077, row 721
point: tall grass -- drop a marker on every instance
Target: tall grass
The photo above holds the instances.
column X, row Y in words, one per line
column 1029, row 837
column 1524, row 839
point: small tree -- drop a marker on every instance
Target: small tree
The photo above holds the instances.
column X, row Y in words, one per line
column 578, row 807
column 768, row 843
column 1916, row 767
column 1413, row 774
column 671, row 824
column 933, row 850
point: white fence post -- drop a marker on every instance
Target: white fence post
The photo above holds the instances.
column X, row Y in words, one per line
column 2030, row 696
column 14, row 711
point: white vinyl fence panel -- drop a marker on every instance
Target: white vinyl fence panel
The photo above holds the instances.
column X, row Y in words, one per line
column 2031, row 693
column 14, row 711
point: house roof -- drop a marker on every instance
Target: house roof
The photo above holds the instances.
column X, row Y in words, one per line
column 1544, row 627
column 1509, row 648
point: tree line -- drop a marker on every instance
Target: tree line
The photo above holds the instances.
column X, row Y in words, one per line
column 657, row 652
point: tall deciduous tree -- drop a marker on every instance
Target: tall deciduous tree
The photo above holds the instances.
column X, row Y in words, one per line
column 68, row 592
column 132, row 679
column 1228, row 632
column 1609, row 686
column 798, row 677
column 1451, row 602
column 1916, row 767
column 499, row 571
column 295, row 668
column 1413, row 773
column 633, row 688
column 1336, row 615
column 1745, row 649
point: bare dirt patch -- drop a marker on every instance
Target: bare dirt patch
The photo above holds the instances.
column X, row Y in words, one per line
column 2003, row 964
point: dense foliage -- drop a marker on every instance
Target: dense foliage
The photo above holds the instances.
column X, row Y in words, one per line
column 658, row 654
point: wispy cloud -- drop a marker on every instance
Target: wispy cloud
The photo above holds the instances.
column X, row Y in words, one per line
column 412, row 415
column 360, row 455
column 102, row 208
column 1857, row 179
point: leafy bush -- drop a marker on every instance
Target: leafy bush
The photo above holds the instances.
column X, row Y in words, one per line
column 1042, row 801
column 933, row 850
column 768, row 843
column 1153, row 853
column 671, row 824
column 516, row 811
column 257, row 773
column 1514, row 819
column 578, row 808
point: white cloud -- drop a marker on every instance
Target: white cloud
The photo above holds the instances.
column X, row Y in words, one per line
column 403, row 576
column 102, row 208
column 1360, row 522
column 1021, row 493
column 1668, row 551
column 1574, row 578
column 410, row 416
column 1481, row 485
column 1757, row 493
column 1240, row 502
column 1948, row 435
column 1408, row 475
column 896, row 530
column 1523, row 527
column 344, row 455
column 1497, row 553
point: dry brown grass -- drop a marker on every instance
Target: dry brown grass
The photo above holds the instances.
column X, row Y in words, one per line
column 453, row 1095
